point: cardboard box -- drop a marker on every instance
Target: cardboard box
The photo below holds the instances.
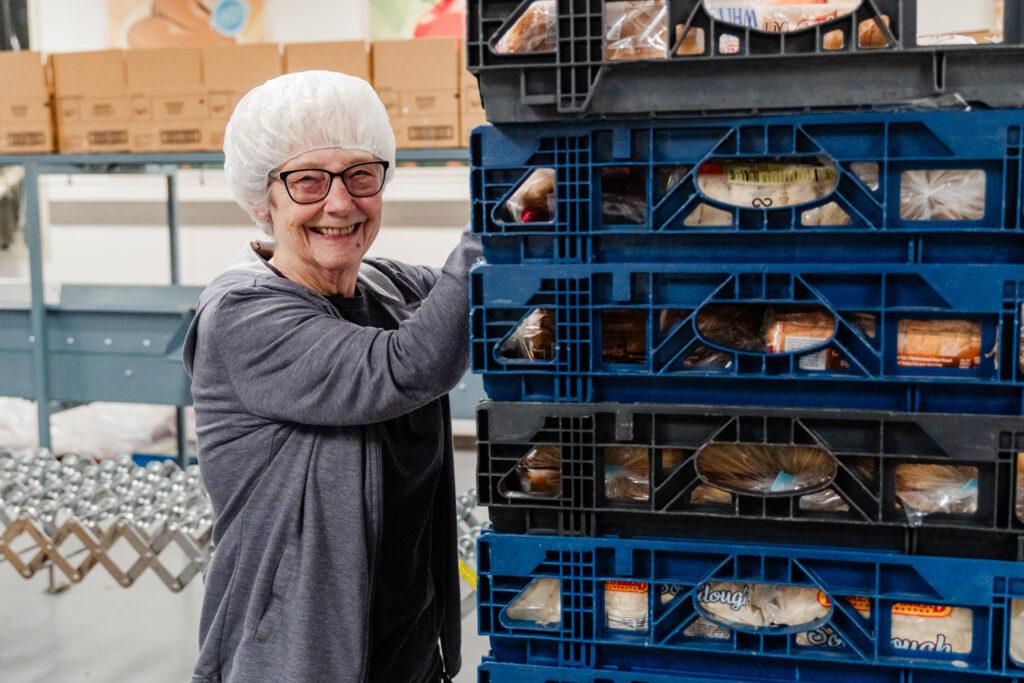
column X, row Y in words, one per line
column 418, row 82
column 166, row 90
column 230, row 71
column 92, row 107
column 349, row 57
column 26, row 115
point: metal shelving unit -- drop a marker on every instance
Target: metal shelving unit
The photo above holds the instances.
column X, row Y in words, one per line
column 114, row 343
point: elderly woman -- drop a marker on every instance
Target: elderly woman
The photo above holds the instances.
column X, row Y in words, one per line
column 320, row 381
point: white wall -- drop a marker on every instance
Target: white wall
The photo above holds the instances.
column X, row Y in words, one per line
column 73, row 25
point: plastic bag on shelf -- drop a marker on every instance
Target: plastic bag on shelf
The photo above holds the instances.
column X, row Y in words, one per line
column 637, row 29
column 534, row 31
column 540, row 603
column 759, row 605
column 938, row 344
column 540, row 471
column 533, row 338
column 926, row 489
column 534, row 200
column 765, row 469
column 942, row 195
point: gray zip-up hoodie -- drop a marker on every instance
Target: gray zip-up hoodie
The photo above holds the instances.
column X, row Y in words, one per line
column 288, row 396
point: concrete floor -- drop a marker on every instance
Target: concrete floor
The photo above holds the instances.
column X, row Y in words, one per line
column 97, row 632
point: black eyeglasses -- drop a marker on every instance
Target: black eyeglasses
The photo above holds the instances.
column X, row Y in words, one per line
column 310, row 185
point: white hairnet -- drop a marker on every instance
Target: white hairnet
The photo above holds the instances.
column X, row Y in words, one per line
column 294, row 114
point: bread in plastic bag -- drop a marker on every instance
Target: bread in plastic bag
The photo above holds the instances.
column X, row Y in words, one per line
column 779, row 16
column 760, row 605
column 534, row 200
column 705, row 494
column 637, row 29
column 765, row 469
column 766, row 184
column 625, row 605
column 925, row 489
column 942, row 195
column 627, row 470
column 931, row 628
column 540, row 471
column 623, row 335
column 540, row 603
column 533, row 31
column 938, row 344
column 826, row 500
column 533, row 338
column 732, row 326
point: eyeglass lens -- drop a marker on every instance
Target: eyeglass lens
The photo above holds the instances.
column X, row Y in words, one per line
column 312, row 185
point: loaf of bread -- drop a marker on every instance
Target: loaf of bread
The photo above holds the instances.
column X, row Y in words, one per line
column 765, row 469
column 636, row 30
column 766, row 184
column 534, row 200
column 942, row 195
column 939, row 344
column 533, row 338
column 533, row 31
column 937, row 488
column 627, row 470
column 540, row 603
column 540, row 471
column 779, row 16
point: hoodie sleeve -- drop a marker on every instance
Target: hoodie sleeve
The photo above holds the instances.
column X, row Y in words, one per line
column 289, row 360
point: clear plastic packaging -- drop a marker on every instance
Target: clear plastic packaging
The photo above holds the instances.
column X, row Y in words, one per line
column 939, row 344
column 942, row 195
column 759, row 605
column 540, row 603
column 767, row 183
column 931, row 628
column 533, row 338
column 732, row 326
column 765, row 469
column 1017, row 630
column 705, row 494
column 927, row 489
column 637, row 29
column 627, row 470
column 779, row 16
column 534, row 200
column 625, row 605
column 826, row 500
column 533, row 31
column 540, row 471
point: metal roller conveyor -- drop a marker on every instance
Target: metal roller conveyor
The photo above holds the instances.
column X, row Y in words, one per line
column 67, row 515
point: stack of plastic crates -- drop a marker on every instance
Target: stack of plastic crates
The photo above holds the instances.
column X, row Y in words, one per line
column 757, row 376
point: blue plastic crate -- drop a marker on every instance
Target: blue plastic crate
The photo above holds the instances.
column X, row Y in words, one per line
column 866, row 451
column 760, row 71
column 731, row 671
column 659, row 152
column 862, row 589
column 583, row 297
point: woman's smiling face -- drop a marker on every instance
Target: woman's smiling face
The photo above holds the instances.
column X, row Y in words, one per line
column 321, row 245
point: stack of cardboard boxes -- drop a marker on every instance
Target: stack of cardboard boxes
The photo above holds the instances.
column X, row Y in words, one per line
column 180, row 99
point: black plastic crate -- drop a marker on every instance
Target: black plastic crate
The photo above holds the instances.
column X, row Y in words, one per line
column 760, row 72
column 866, row 447
column 863, row 592
column 871, row 158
